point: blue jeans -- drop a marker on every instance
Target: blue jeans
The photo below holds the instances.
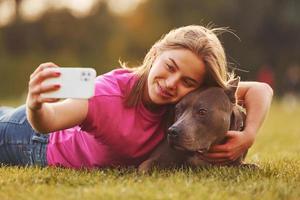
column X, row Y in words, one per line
column 19, row 144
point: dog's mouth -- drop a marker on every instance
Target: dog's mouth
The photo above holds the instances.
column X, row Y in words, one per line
column 179, row 147
column 203, row 150
column 179, row 144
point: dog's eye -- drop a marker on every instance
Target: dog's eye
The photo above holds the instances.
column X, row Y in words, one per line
column 202, row 111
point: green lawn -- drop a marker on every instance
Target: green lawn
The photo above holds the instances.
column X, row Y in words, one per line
column 276, row 150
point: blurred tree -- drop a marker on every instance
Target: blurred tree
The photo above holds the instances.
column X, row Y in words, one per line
column 17, row 9
column 269, row 33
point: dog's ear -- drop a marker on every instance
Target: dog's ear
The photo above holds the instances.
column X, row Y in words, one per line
column 232, row 86
column 237, row 119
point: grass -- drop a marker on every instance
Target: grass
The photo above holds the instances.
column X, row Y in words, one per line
column 276, row 150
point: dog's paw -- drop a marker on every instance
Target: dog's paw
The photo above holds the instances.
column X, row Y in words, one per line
column 145, row 167
column 250, row 166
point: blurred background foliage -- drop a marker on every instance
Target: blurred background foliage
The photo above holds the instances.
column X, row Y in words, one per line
column 268, row 48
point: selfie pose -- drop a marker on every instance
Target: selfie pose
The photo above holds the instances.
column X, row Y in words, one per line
column 128, row 115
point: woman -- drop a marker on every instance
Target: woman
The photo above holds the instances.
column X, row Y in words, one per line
column 126, row 118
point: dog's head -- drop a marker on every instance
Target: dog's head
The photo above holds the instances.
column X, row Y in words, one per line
column 202, row 118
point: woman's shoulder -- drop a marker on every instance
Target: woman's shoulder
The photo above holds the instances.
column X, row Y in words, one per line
column 118, row 74
column 116, row 82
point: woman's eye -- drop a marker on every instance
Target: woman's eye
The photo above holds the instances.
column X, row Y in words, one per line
column 171, row 68
column 188, row 83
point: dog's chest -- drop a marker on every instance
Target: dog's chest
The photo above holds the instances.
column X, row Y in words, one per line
column 195, row 161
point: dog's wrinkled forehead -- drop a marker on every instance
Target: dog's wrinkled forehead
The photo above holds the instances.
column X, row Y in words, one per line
column 210, row 97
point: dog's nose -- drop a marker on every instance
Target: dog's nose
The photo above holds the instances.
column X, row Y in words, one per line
column 173, row 132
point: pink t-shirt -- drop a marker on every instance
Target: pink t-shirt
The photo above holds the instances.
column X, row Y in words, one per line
column 111, row 135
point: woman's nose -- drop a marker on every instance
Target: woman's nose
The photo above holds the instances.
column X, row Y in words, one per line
column 172, row 81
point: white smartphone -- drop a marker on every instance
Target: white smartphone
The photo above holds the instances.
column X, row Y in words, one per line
column 77, row 83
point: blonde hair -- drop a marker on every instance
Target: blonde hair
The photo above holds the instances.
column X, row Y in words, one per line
column 198, row 39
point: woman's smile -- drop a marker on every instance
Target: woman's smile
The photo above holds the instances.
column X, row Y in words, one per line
column 163, row 92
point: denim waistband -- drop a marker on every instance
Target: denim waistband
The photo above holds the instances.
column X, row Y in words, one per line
column 40, row 153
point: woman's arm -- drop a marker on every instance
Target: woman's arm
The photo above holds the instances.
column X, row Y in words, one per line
column 256, row 98
column 47, row 114
column 57, row 116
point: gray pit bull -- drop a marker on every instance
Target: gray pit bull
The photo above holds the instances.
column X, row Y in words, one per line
column 202, row 119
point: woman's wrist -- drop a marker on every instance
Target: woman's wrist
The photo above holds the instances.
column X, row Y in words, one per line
column 250, row 136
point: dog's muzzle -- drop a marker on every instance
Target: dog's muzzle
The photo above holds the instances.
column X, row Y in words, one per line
column 173, row 132
column 173, row 135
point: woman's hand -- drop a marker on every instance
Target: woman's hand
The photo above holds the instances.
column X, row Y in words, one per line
column 36, row 88
column 236, row 145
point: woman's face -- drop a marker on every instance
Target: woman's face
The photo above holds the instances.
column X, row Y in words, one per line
column 174, row 74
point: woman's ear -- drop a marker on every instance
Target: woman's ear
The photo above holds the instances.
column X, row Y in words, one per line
column 232, row 86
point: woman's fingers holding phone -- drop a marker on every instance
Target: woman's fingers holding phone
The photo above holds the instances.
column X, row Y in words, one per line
column 48, row 100
column 35, row 86
column 43, row 66
column 40, row 88
column 41, row 76
column 35, row 100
